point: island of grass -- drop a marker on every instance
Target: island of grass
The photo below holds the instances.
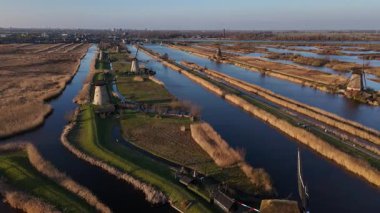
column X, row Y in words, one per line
column 157, row 144
column 120, row 61
column 18, row 172
column 168, row 136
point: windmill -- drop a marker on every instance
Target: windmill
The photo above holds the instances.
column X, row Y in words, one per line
column 135, row 63
column 357, row 81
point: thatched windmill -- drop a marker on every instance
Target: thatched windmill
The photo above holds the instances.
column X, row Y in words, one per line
column 135, row 63
column 357, row 81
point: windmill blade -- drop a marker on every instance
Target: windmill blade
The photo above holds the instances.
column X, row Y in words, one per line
column 138, row 47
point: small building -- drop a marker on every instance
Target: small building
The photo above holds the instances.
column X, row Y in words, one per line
column 223, row 201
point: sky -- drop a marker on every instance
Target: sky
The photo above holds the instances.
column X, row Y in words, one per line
column 193, row 14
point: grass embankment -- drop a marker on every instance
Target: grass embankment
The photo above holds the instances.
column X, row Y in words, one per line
column 100, row 145
column 310, row 139
column 21, row 174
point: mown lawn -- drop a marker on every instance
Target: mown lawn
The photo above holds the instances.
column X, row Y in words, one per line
column 101, row 145
column 17, row 170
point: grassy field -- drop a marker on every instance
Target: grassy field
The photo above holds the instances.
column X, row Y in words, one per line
column 120, row 62
column 15, row 167
column 146, row 91
column 163, row 137
column 101, row 65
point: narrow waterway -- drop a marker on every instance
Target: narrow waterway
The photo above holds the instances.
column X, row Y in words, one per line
column 344, row 58
column 340, row 105
column 118, row 195
column 331, row 188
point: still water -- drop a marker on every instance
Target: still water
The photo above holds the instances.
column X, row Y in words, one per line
column 365, row 114
column 332, row 189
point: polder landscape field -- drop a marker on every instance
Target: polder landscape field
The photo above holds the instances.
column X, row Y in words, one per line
column 139, row 113
column 189, row 121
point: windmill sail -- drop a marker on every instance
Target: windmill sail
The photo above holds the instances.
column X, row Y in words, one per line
column 302, row 189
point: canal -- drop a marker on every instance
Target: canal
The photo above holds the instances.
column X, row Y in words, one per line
column 344, row 58
column 338, row 104
column 117, row 194
column 332, row 189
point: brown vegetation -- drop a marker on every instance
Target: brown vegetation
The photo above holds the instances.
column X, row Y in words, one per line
column 316, row 113
column 23, row 201
column 47, row 169
column 297, row 74
column 225, row 156
column 83, row 96
column 29, row 75
column 50, row 171
column 151, row 194
column 352, row 164
column 283, row 206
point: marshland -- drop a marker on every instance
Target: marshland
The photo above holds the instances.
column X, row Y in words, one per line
column 173, row 125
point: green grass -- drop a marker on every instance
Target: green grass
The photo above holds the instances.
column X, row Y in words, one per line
column 100, row 145
column 162, row 137
column 15, row 167
column 102, row 65
column 120, row 62
column 121, row 66
column 146, row 91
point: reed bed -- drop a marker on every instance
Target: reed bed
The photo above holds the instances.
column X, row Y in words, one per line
column 28, row 80
column 319, row 114
column 23, row 201
column 50, row 171
column 47, row 169
column 225, row 156
column 83, row 96
column 352, row 164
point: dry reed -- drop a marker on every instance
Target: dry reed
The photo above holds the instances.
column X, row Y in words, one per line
column 47, row 169
column 23, row 201
column 27, row 79
column 224, row 156
column 314, row 112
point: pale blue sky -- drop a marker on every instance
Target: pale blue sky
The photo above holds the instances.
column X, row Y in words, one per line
column 193, row 14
